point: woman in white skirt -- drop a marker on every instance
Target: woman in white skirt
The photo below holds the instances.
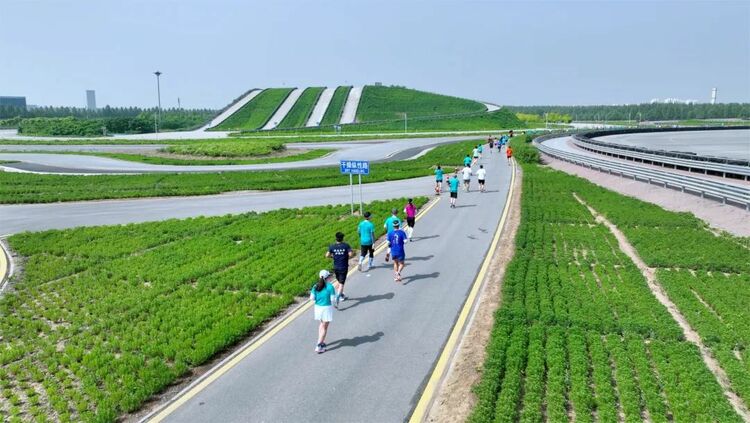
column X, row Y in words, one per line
column 323, row 294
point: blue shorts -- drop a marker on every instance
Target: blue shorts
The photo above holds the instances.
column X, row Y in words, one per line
column 399, row 257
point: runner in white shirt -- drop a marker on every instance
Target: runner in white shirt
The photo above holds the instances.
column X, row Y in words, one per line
column 481, row 174
column 475, row 155
column 467, row 177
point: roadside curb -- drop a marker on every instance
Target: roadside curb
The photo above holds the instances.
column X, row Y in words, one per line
column 6, row 265
column 278, row 324
column 463, row 322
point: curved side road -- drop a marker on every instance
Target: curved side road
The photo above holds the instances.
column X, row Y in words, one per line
column 382, row 345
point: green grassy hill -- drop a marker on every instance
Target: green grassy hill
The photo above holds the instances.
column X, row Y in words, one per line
column 390, row 103
column 256, row 113
column 334, row 110
column 297, row 117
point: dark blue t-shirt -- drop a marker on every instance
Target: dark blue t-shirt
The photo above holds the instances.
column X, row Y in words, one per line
column 340, row 252
column 396, row 242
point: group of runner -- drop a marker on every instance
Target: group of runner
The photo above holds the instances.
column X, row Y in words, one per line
column 328, row 291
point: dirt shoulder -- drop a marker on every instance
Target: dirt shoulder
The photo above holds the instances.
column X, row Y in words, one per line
column 454, row 399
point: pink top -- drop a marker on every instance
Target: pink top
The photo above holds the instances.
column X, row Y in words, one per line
column 410, row 210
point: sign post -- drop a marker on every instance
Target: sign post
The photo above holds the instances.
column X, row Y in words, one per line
column 359, row 168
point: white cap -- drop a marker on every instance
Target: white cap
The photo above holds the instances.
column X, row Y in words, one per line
column 324, row 274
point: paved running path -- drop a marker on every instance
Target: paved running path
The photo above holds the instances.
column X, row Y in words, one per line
column 384, row 342
column 284, row 109
column 321, row 106
column 349, row 114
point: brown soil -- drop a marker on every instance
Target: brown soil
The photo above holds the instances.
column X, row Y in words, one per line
column 281, row 153
column 724, row 217
column 454, row 399
column 661, row 295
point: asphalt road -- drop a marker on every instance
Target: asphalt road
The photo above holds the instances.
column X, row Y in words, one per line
column 384, row 342
column 733, row 144
column 380, row 150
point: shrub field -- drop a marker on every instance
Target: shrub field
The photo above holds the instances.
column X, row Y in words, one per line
column 105, row 317
column 257, row 111
column 300, row 112
column 579, row 336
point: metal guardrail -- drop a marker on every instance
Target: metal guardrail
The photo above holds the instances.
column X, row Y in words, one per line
column 705, row 166
column 726, row 193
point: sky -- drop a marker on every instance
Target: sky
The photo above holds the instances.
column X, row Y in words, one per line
column 510, row 53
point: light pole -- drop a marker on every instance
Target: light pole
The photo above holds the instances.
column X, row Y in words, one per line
column 406, row 123
column 158, row 94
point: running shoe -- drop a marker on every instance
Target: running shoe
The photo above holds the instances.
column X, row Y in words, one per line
column 319, row 349
column 343, row 297
column 387, row 257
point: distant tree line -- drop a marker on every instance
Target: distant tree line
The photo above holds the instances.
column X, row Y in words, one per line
column 646, row 111
column 71, row 121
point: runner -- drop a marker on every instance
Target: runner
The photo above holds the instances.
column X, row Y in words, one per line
column 481, row 174
column 341, row 252
column 322, row 294
column 490, row 143
column 388, row 225
column 508, row 153
column 396, row 242
column 475, row 155
column 453, row 186
column 411, row 214
column 438, row 180
column 500, row 143
column 467, row 177
column 467, row 160
column 366, row 231
column 480, row 148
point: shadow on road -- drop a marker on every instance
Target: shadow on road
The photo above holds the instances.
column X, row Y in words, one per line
column 425, row 258
column 409, row 279
column 353, row 342
column 422, row 238
column 466, row 205
column 364, row 300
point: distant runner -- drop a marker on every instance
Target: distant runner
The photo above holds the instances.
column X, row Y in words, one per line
column 475, row 155
column 453, row 186
column 481, row 174
column 467, row 177
column 341, row 252
column 411, row 214
column 508, row 153
column 388, row 225
column 490, row 143
column 366, row 231
column 396, row 242
column 467, row 160
column 480, row 148
column 322, row 294
column 438, row 180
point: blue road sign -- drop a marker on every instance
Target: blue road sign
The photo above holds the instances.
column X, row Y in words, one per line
column 355, row 167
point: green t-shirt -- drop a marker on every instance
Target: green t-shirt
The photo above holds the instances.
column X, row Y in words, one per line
column 389, row 223
column 438, row 174
column 366, row 232
column 453, row 182
column 323, row 297
column 467, row 161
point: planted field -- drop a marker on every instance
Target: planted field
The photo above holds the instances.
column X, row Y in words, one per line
column 300, row 112
column 34, row 188
column 389, row 103
column 294, row 155
column 105, row 317
column 579, row 335
column 332, row 115
column 257, row 112
column 239, row 148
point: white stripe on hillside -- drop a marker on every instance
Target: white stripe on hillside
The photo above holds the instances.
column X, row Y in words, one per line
column 350, row 108
column 232, row 109
column 491, row 107
column 284, row 109
column 320, row 107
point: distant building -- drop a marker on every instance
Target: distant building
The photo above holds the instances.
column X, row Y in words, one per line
column 91, row 100
column 673, row 101
column 19, row 102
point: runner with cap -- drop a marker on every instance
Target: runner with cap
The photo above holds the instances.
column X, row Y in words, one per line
column 322, row 294
column 396, row 243
column 366, row 231
column 340, row 252
column 388, row 225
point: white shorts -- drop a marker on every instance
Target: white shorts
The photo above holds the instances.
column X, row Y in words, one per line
column 324, row 313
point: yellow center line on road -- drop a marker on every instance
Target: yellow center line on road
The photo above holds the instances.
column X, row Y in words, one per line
column 427, row 397
column 241, row 355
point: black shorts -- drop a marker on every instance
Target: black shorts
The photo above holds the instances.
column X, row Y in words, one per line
column 410, row 221
column 481, row 181
column 454, row 195
column 364, row 249
column 340, row 275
